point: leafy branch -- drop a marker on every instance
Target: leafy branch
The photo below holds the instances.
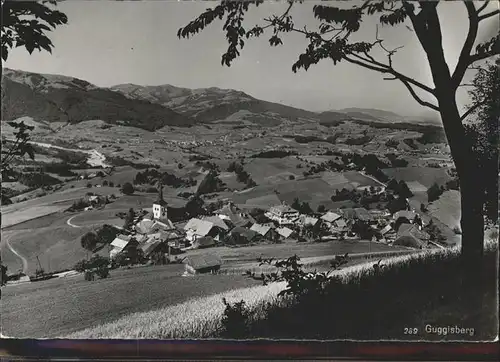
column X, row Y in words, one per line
column 25, row 23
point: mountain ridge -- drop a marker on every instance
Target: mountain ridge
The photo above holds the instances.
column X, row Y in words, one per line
column 59, row 98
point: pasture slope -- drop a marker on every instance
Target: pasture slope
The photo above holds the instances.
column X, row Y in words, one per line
column 70, row 304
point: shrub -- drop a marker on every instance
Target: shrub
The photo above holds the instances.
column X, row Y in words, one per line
column 105, row 183
column 235, row 319
column 89, row 241
column 89, row 185
column 127, row 189
column 291, row 177
column 434, row 192
column 111, row 184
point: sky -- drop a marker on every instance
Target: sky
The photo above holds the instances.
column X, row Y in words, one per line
column 115, row 42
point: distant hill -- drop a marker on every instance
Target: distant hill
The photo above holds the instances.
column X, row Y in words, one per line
column 56, row 98
column 212, row 104
column 379, row 115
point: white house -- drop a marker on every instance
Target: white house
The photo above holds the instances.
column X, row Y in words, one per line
column 283, row 214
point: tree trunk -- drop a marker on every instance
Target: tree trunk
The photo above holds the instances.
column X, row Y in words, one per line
column 471, row 186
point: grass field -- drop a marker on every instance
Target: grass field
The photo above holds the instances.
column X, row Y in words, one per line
column 62, row 306
column 447, row 208
column 57, row 247
column 303, row 250
column 361, row 304
column 426, row 176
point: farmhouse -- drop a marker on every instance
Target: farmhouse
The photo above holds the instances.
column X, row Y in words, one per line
column 240, row 235
column 286, row 233
column 330, row 217
column 265, row 231
column 204, row 263
column 410, row 236
column 217, row 221
column 160, row 242
column 409, row 215
column 234, row 215
column 305, row 220
column 197, row 228
column 122, row 242
column 283, row 214
column 203, row 242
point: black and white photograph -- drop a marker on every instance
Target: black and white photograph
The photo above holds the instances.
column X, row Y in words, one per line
column 243, row 170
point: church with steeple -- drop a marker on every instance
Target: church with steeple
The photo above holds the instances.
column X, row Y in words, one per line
column 157, row 218
column 160, row 205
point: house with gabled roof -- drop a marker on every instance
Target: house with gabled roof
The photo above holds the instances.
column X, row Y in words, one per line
column 306, row 220
column 330, row 217
column 196, row 228
column 234, row 215
column 217, row 221
column 202, row 263
column 240, row 235
column 410, row 236
column 286, row 233
column 122, row 242
column 266, row 231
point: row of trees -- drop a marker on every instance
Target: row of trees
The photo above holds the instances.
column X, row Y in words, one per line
column 241, row 175
column 102, row 236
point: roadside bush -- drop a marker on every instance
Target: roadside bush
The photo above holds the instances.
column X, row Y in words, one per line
column 89, row 185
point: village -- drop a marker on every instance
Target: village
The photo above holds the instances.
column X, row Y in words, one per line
column 158, row 240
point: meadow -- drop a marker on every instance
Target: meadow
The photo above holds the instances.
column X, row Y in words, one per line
column 61, row 306
column 361, row 302
column 426, row 176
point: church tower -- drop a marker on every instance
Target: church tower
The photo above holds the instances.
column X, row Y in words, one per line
column 160, row 205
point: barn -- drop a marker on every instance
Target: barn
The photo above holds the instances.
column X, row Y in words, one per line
column 203, row 263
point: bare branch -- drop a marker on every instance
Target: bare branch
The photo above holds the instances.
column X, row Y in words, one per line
column 464, row 59
column 415, row 95
column 470, row 111
column 484, row 6
column 390, row 53
column 488, row 15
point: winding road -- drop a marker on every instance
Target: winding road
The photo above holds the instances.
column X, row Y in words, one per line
column 71, row 224
column 95, row 158
column 23, row 259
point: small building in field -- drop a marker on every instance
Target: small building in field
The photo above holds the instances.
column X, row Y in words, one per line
column 266, row 231
column 202, row 263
